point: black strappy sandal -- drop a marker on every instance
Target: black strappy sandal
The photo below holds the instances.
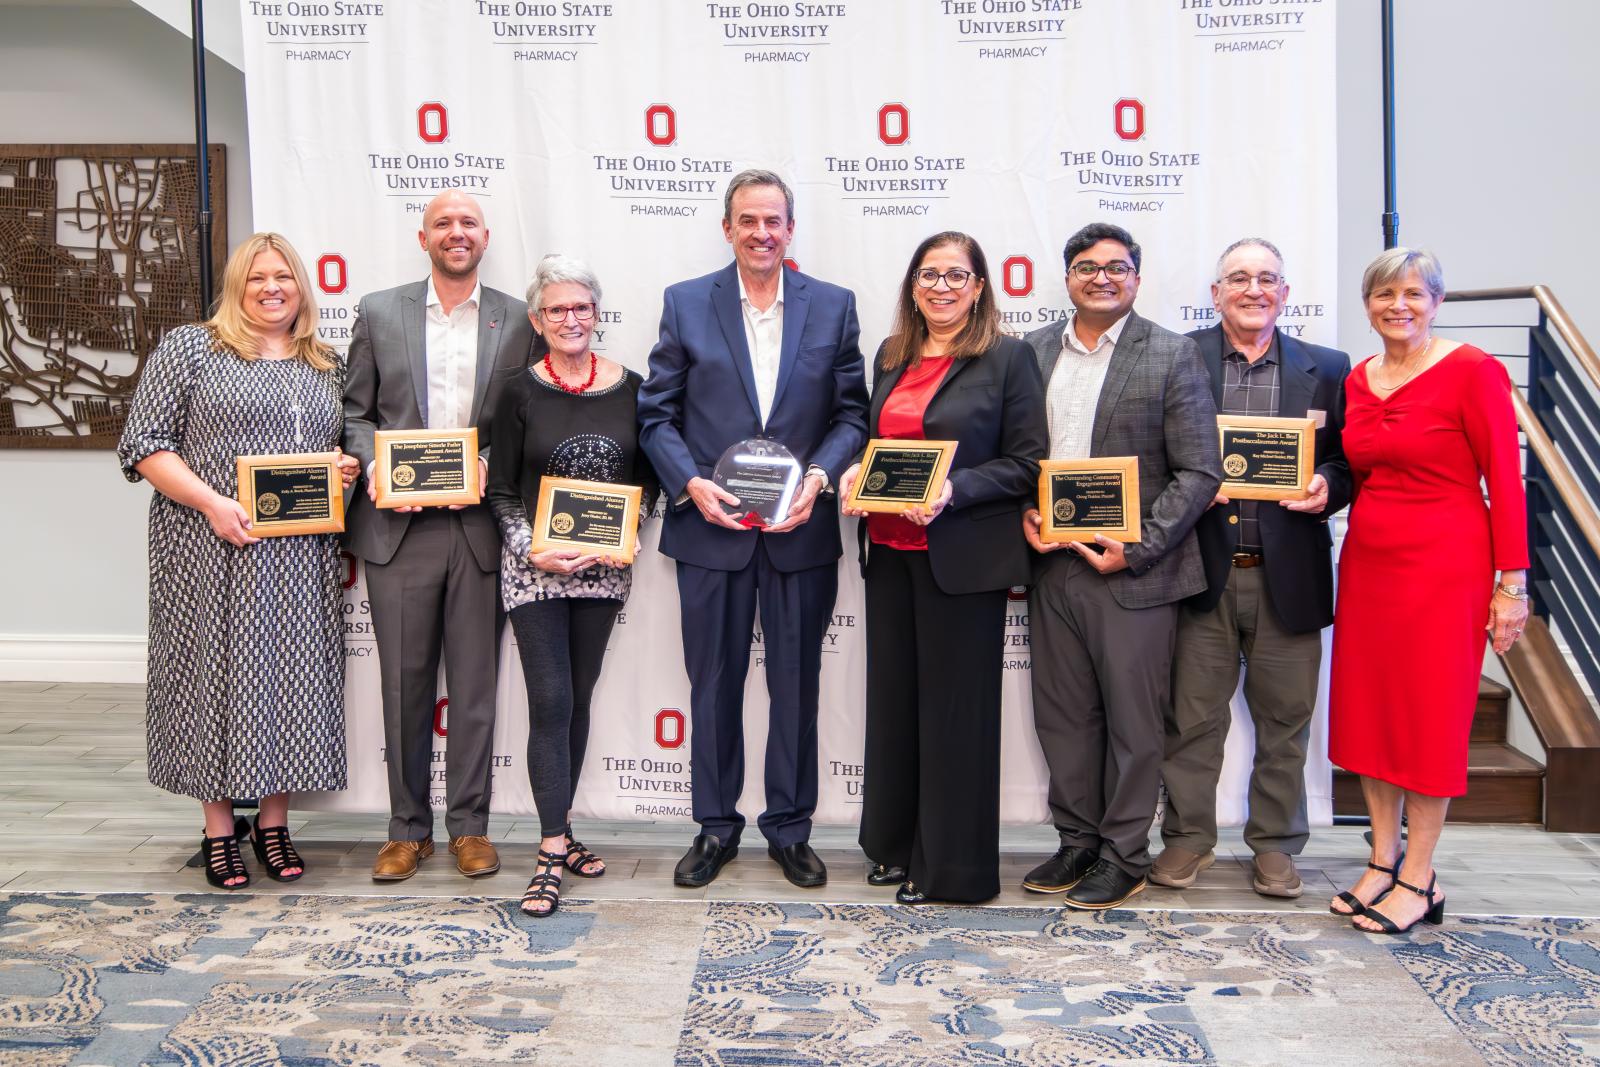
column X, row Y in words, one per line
column 223, row 861
column 275, row 851
column 545, row 886
column 1433, row 916
column 1354, row 902
column 578, row 858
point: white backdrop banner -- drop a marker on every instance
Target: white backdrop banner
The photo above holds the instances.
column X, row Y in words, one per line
column 608, row 131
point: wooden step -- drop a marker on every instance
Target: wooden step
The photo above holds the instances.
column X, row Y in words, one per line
column 1489, row 719
column 1503, row 786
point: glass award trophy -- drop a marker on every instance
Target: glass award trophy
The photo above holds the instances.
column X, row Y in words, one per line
column 763, row 475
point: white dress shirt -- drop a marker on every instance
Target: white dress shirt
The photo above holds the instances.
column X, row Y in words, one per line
column 452, row 356
column 763, row 334
column 1073, row 395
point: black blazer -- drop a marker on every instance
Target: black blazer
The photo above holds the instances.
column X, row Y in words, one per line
column 1297, row 548
column 993, row 405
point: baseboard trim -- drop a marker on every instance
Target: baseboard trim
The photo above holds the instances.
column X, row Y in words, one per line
column 72, row 658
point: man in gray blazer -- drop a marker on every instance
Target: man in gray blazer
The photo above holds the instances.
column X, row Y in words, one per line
column 1104, row 616
column 432, row 355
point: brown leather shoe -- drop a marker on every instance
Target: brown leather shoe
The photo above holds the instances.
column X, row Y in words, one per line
column 1272, row 874
column 397, row 860
column 1178, row 867
column 474, row 855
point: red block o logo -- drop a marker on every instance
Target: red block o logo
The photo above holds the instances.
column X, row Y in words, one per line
column 669, row 728
column 660, row 124
column 1127, row 118
column 438, row 717
column 1016, row 276
column 894, row 124
column 349, row 562
column 1017, row 593
column 331, row 277
column 433, row 123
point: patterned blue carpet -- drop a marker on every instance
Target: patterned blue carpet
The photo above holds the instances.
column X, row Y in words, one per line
column 210, row 979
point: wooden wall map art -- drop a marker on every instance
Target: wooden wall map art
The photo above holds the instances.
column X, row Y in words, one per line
column 98, row 260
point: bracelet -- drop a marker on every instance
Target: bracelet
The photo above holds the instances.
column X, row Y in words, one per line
column 1515, row 592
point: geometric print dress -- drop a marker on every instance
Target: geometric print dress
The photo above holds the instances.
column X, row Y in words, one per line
column 246, row 667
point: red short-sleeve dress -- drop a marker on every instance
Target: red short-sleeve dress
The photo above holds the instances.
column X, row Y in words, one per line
column 1418, row 566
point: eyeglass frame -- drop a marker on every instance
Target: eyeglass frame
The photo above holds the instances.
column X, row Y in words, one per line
column 1088, row 275
column 1242, row 285
column 570, row 310
column 943, row 276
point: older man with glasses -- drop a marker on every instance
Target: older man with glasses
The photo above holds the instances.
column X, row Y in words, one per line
column 1104, row 615
column 1269, row 590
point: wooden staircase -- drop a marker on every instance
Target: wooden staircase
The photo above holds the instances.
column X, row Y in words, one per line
column 1503, row 784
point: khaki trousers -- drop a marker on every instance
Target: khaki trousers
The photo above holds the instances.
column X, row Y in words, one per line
column 1280, row 687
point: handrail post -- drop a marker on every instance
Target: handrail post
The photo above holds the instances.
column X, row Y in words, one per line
column 1534, row 478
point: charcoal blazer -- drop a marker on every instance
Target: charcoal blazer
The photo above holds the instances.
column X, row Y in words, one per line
column 1297, row 548
column 1156, row 405
column 992, row 405
column 387, row 389
column 700, row 398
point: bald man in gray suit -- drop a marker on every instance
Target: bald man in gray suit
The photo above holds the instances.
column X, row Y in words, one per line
column 433, row 354
column 1104, row 616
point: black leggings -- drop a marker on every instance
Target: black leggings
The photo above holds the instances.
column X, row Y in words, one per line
column 562, row 643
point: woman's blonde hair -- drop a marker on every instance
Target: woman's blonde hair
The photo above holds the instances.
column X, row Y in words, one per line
column 230, row 325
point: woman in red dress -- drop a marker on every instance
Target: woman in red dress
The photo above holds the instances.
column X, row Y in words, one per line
column 1428, row 422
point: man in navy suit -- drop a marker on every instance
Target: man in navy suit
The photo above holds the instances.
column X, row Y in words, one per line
column 755, row 349
column 1268, row 594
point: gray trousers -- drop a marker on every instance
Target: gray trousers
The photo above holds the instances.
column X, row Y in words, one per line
column 1280, row 686
column 432, row 597
column 1101, row 682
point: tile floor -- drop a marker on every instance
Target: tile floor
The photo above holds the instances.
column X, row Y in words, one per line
column 77, row 814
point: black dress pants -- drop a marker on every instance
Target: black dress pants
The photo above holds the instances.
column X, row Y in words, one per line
column 931, row 781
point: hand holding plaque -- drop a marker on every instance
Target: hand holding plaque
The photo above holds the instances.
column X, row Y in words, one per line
column 1080, row 499
column 590, row 517
column 426, row 468
column 763, row 475
column 298, row 493
column 898, row 475
column 1266, row 458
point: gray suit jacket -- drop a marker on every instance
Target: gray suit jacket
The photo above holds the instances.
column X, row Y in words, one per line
column 1155, row 404
column 387, row 389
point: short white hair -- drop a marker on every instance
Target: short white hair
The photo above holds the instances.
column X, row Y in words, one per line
column 1395, row 263
column 555, row 269
column 1246, row 242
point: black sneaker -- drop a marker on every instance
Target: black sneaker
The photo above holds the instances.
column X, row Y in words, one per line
column 1105, row 886
column 1062, row 871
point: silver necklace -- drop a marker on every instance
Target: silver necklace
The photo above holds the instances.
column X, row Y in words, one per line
column 1416, row 365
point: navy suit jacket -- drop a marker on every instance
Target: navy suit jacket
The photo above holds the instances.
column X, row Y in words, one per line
column 700, row 397
column 1296, row 547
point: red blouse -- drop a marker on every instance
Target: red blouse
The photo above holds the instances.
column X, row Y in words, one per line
column 901, row 418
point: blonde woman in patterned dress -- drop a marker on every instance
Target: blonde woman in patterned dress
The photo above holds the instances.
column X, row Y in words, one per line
column 246, row 664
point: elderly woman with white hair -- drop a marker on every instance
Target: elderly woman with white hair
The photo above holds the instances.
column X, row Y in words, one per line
column 570, row 415
column 1428, row 423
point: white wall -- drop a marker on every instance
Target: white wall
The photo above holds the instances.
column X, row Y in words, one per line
column 1496, row 152
column 72, row 539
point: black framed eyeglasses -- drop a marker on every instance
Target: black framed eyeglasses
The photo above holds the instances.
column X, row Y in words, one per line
column 1116, row 270
column 559, row 313
column 954, row 278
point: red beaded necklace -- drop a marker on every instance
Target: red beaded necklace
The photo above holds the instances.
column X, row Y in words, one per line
column 550, row 369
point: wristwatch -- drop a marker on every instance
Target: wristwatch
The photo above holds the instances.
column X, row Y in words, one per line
column 1515, row 592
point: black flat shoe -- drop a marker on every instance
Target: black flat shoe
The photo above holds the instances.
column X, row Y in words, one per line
column 883, row 874
column 276, row 852
column 223, row 861
column 801, row 865
column 1434, row 916
column 1353, row 902
column 1062, row 871
column 908, row 893
column 703, row 862
column 1105, row 886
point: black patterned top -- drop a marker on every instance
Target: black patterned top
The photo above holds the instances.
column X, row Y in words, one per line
column 539, row 430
